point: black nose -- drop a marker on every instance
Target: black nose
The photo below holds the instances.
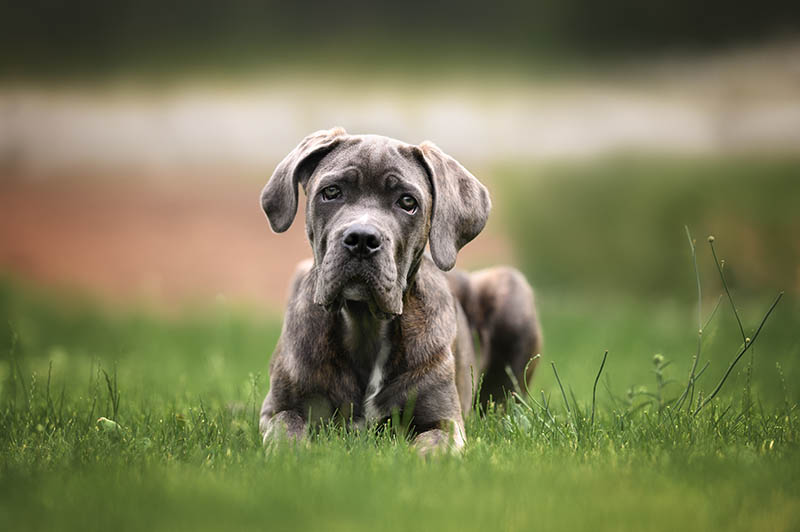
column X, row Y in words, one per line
column 362, row 240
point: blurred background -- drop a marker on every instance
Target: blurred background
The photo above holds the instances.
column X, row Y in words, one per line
column 135, row 138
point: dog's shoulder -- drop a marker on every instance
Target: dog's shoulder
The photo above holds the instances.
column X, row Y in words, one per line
column 430, row 286
column 301, row 272
column 302, row 314
column 429, row 319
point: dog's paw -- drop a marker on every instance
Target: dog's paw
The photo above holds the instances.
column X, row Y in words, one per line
column 437, row 441
column 283, row 428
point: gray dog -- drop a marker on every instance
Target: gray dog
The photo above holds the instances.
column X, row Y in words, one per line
column 373, row 326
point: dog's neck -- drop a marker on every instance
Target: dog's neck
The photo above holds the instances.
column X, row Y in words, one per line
column 364, row 335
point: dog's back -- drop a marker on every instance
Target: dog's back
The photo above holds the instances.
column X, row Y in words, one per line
column 499, row 307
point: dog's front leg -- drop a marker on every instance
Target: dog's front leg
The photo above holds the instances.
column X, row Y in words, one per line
column 436, row 413
column 285, row 425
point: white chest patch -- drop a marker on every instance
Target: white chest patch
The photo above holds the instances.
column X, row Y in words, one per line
column 376, row 378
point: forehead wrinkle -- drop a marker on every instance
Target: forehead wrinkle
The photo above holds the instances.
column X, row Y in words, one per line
column 392, row 178
column 374, row 159
column 400, row 183
column 349, row 174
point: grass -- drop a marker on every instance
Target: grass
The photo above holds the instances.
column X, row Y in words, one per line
column 183, row 451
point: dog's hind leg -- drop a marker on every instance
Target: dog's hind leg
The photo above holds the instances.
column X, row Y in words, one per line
column 499, row 304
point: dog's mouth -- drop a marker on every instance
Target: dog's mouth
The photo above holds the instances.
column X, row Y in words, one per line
column 359, row 294
column 368, row 286
column 357, row 291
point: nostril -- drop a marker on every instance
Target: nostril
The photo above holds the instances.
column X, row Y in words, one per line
column 351, row 239
column 373, row 242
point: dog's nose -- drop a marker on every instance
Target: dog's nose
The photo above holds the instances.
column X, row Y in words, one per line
column 362, row 240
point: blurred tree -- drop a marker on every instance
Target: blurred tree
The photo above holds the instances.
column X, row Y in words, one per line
column 95, row 36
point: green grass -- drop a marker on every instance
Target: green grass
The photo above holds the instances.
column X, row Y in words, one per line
column 187, row 454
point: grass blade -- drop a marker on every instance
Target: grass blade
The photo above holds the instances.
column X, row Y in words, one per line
column 748, row 343
column 596, row 379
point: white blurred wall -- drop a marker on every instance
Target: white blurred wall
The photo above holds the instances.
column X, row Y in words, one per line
column 740, row 102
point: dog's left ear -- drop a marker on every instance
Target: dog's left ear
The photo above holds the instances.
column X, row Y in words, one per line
column 461, row 205
column 279, row 197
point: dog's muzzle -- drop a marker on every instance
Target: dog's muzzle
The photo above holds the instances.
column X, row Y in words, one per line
column 360, row 267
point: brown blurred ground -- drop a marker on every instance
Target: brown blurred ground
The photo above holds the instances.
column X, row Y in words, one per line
column 98, row 186
column 171, row 242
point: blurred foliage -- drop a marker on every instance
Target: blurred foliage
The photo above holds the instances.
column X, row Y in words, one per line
column 615, row 225
column 53, row 38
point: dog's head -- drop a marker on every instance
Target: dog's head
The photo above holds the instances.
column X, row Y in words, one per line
column 372, row 203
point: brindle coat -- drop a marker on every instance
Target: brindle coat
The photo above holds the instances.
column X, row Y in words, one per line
column 373, row 325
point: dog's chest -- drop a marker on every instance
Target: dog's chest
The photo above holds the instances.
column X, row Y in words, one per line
column 369, row 346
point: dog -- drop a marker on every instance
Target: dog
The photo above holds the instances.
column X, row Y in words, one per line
column 374, row 326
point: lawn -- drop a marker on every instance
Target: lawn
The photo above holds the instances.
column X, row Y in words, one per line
column 183, row 391
column 186, row 453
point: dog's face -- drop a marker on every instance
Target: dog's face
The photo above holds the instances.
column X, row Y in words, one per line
column 372, row 203
column 367, row 215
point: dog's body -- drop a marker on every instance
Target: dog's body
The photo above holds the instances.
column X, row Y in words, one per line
column 373, row 325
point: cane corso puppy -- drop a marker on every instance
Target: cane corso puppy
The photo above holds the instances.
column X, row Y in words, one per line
column 374, row 327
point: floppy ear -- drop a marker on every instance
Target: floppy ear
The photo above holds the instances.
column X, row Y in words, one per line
column 461, row 205
column 279, row 197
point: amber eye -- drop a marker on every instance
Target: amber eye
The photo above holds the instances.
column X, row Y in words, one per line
column 331, row 193
column 408, row 204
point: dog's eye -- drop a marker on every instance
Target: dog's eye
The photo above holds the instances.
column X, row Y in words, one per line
column 330, row 193
column 408, row 204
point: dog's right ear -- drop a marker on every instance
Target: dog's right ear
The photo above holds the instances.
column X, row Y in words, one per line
column 279, row 197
